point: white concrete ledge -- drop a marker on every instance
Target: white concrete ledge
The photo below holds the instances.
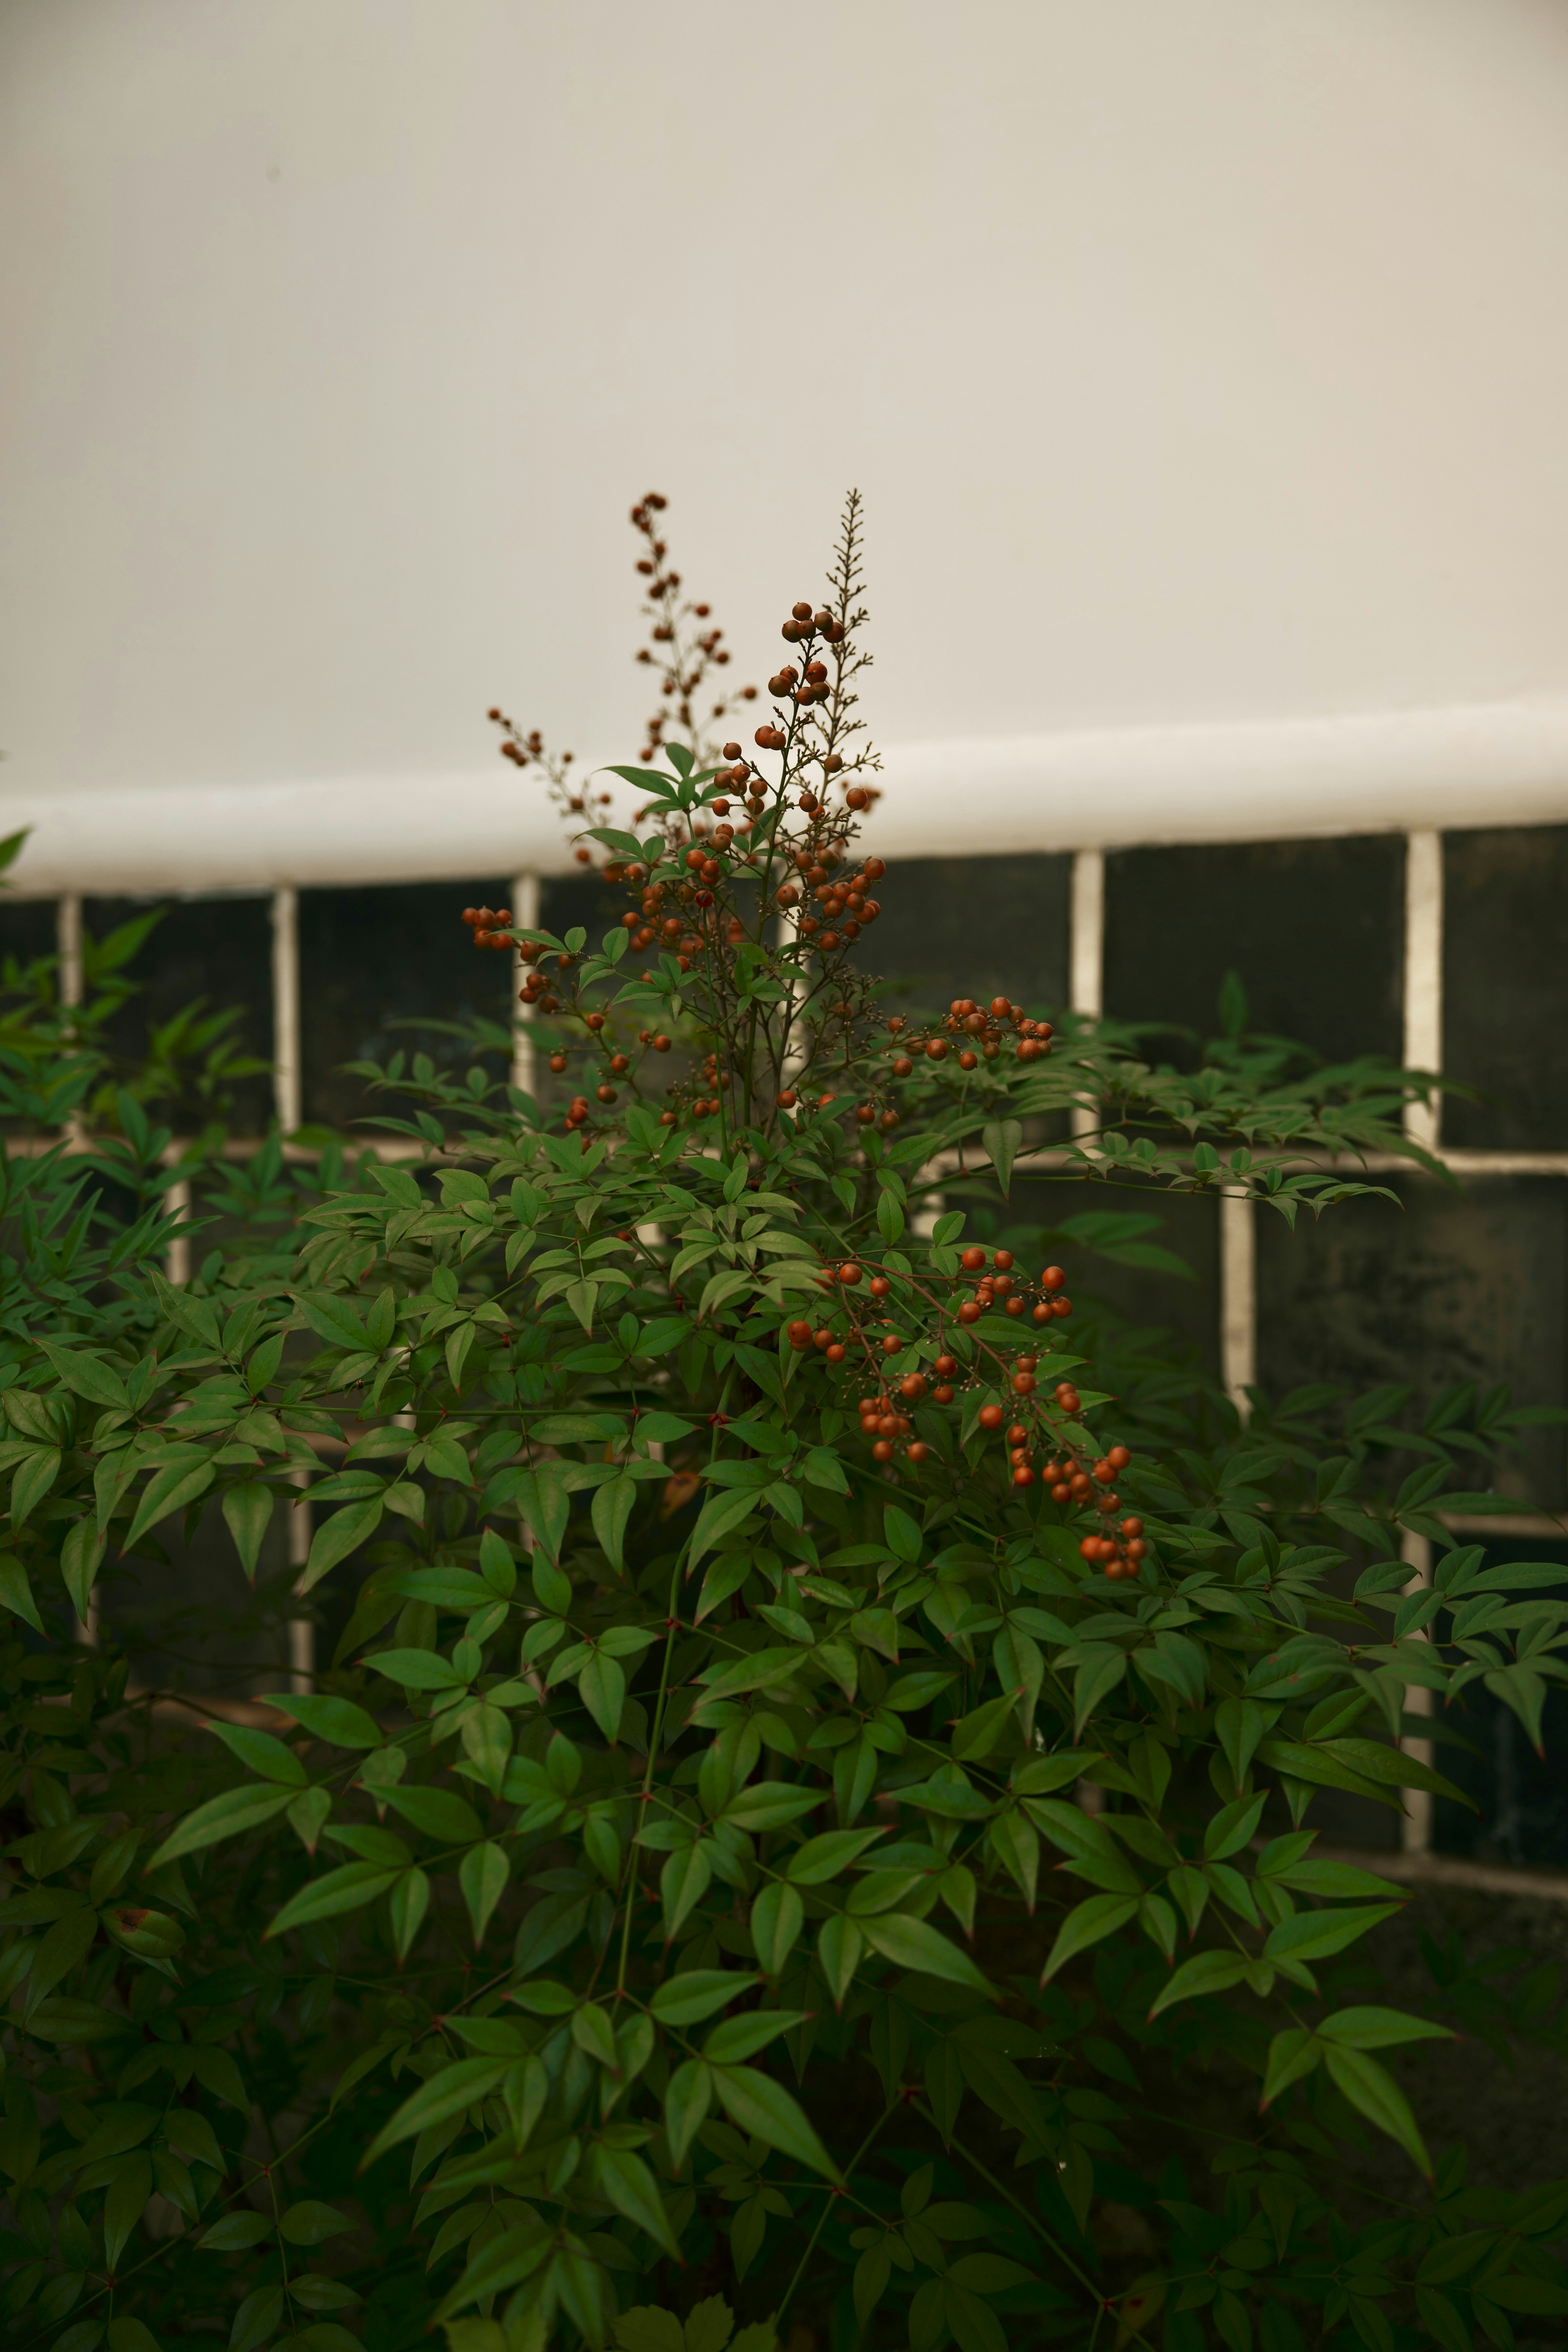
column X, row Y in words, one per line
column 1502, row 763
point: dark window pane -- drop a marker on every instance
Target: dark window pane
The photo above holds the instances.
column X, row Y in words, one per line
column 1503, row 1026
column 1523, row 1797
column 372, row 960
column 977, row 926
column 26, row 928
column 1315, row 928
column 1463, row 1285
column 569, row 900
column 214, row 954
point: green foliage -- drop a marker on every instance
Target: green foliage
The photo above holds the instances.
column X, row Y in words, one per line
column 758, row 1800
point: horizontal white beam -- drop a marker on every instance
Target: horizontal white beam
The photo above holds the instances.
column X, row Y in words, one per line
column 1263, row 780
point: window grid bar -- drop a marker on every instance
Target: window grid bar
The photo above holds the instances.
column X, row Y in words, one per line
column 286, row 1041
column 1424, row 977
column 1086, row 952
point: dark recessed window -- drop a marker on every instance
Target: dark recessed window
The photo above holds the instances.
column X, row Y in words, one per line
column 27, row 928
column 201, row 957
column 977, row 927
column 378, row 969
column 1459, row 1284
column 1315, row 930
column 1504, row 992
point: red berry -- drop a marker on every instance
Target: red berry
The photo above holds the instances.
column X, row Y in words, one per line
column 992, row 1416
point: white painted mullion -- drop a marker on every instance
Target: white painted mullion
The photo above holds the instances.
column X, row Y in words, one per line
column 68, row 948
column 524, row 917
column 177, row 1205
column 286, row 1036
column 1238, row 1299
column 1086, row 955
column 1423, row 976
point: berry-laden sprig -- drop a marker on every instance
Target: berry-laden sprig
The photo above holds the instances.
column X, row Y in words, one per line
column 858, row 1332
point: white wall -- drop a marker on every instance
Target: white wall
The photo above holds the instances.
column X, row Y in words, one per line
column 1201, row 363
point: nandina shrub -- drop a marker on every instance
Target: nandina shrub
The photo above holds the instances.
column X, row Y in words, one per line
column 810, row 1814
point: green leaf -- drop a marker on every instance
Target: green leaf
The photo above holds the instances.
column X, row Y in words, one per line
column 1380, row 2028
column 1002, row 1138
column 769, row 1804
column 168, row 1490
column 436, row 1812
column 719, row 1515
column 259, row 1750
column 687, row 2102
column 688, row 1998
column 757, row 2104
column 1372, row 2091
column 840, row 1948
column 16, row 1592
column 1537, row 2297
column 506, row 2262
column 1096, row 1678
column 1440, row 2317
column 34, row 1477
column 1316, row 1935
column 1204, row 1972
column 482, row 1876
column 336, row 1538
column 611, row 1510
column 81, row 1557
column 777, row 1916
column 1292, row 2055
column 735, row 2038
column 915, row 1944
column 828, row 1856
column 446, row 2093
column 221, row 1816
column 235, row 2234
column 338, row 1721
column 683, row 1882
column 977, row 1734
column 631, row 2189
column 645, row 2329
column 349, row 1888
column 247, row 1513
column 602, row 1686
column 408, row 1902
column 1088, row 1923
column 334, row 1319
column 87, row 1376
column 418, row 1669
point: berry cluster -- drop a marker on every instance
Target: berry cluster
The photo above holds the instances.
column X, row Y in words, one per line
column 859, row 1329
column 491, row 928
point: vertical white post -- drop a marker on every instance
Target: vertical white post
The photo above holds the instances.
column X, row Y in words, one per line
column 1086, row 949
column 1423, row 976
column 1237, row 1299
column 286, row 1071
column 525, row 918
column 301, row 1632
column 67, row 947
column 177, row 1202
column 1415, row 1828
